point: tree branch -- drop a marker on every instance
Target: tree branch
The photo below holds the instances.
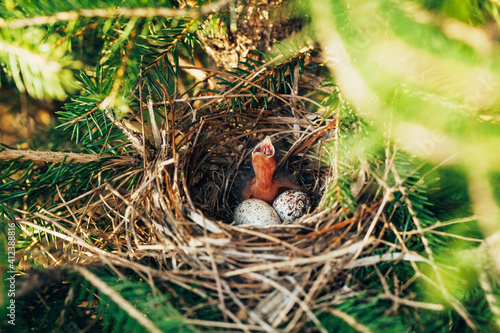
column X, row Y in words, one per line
column 110, row 12
column 59, row 157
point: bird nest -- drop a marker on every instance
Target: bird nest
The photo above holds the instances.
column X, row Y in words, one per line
column 181, row 215
column 176, row 223
column 260, row 276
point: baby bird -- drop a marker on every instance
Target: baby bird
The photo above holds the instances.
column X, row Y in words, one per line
column 264, row 185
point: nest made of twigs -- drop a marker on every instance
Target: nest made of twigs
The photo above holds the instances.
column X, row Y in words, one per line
column 267, row 277
column 174, row 223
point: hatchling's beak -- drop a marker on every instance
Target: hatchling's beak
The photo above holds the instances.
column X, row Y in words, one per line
column 265, row 147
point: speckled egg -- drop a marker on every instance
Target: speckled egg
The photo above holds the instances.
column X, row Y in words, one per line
column 255, row 212
column 291, row 204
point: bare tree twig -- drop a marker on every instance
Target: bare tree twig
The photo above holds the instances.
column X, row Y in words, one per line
column 59, row 157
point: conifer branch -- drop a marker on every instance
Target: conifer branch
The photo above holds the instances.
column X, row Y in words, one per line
column 30, row 57
column 351, row 321
column 36, row 65
column 150, row 226
column 117, row 299
column 133, row 137
column 59, row 157
column 114, row 12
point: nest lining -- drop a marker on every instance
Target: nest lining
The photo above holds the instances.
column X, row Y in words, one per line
column 219, row 166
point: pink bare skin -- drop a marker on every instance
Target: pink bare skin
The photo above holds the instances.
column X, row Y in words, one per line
column 264, row 186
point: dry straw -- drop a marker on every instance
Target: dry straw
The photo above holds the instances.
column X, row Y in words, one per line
column 175, row 224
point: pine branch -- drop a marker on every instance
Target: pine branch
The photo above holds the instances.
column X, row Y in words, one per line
column 60, row 157
column 37, row 63
column 114, row 12
column 350, row 321
column 34, row 59
column 117, row 299
column 372, row 253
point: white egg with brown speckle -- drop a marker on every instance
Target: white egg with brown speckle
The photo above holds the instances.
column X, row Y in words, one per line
column 291, row 204
column 255, row 212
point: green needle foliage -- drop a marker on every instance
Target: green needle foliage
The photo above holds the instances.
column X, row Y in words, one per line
column 37, row 62
column 387, row 109
column 78, row 301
